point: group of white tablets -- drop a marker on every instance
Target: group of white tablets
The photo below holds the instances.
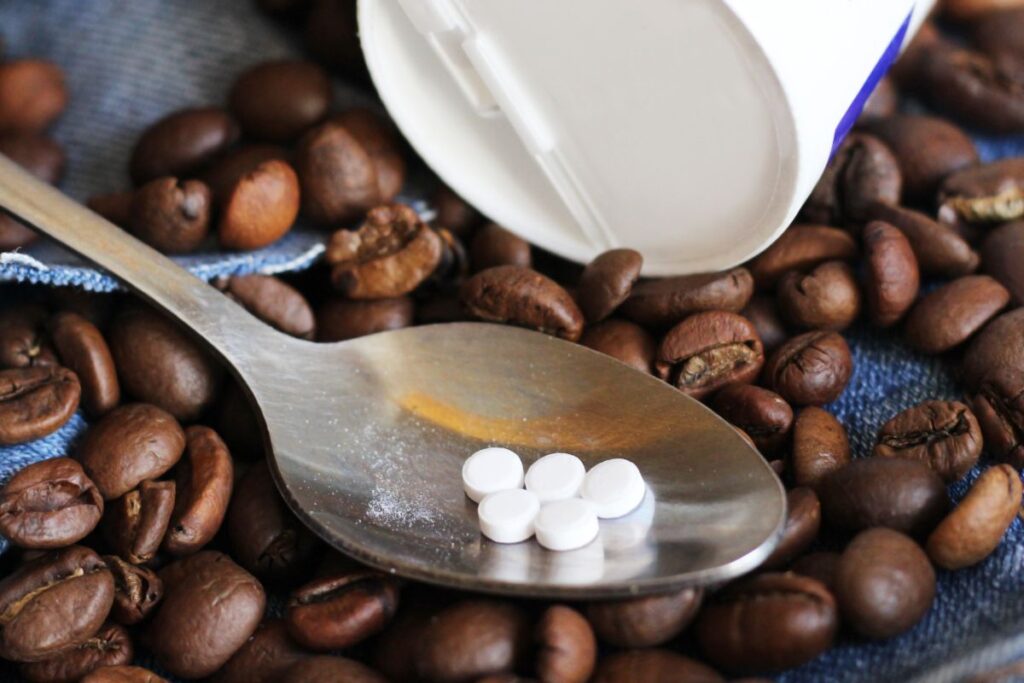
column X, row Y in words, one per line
column 561, row 503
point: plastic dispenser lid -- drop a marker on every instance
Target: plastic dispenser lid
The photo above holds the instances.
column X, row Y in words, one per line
column 585, row 125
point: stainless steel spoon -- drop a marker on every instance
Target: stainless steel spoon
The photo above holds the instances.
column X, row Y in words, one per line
column 367, row 437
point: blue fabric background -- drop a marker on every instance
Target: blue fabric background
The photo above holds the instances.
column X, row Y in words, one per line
column 130, row 61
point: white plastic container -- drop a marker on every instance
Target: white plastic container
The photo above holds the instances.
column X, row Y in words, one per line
column 690, row 130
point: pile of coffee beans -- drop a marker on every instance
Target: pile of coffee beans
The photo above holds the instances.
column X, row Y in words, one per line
column 158, row 537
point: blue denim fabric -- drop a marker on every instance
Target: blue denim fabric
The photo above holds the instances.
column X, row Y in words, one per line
column 129, row 61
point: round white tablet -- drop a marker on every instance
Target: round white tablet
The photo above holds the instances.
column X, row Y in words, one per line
column 491, row 470
column 614, row 487
column 508, row 516
column 555, row 477
column 566, row 524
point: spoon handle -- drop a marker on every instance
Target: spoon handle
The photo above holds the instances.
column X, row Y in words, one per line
column 208, row 313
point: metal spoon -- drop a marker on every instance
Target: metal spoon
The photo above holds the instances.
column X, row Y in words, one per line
column 367, row 437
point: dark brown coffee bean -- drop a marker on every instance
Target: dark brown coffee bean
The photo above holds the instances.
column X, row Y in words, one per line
column 331, row 36
column 39, row 155
column 171, row 215
column 159, row 364
column 83, row 349
column 803, row 520
column 204, row 481
column 493, row 245
column 820, row 566
column 905, row 495
column 337, row 175
column 992, row 192
column 811, row 369
column 566, row 647
column 999, row 407
column 644, row 622
column 667, row 301
column 607, row 281
column 624, row 341
column 53, row 603
column 326, row 669
column 761, row 414
column 36, row 401
column 1002, row 253
column 862, row 171
column 260, row 208
column 801, row 247
column 123, row 674
column 210, row 608
column 884, row 583
column 455, row 213
column 264, row 658
column 49, row 504
column 116, row 207
column 277, row 101
column 110, row 646
column 826, row 298
column 882, row 103
column 273, row 301
column 766, row 623
column 762, row 311
column 472, row 638
column 908, row 68
column 341, row 319
column 339, row 611
column 224, row 172
column 13, row 234
column 820, row 446
column 23, row 342
column 137, row 521
column 983, row 92
column 516, row 295
column 137, row 590
column 380, row 139
column 891, row 276
column 653, row 666
column 181, row 143
column 966, row 10
column 1000, row 344
column 32, row 95
column 943, row 434
column 949, row 315
column 938, row 248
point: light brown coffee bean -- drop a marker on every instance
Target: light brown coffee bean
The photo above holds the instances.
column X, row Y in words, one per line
column 820, row 446
column 203, row 489
column 891, row 278
column 49, row 504
column 32, row 95
column 260, row 208
column 566, row 646
column 948, row 316
column 83, row 349
column 273, row 301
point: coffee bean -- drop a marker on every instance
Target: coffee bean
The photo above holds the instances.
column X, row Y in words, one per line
column 204, row 481
column 472, row 638
column 767, row 622
column 136, row 522
column 826, row 298
column 380, row 139
column 882, row 103
column 975, row 527
column 493, row 245
column 171, row 215
column 607, row 281
column 1002, row 253
column 949, row 315
column 810, row 369
column 653, row 666
column 992, row 192
column 182, row 143
column 391, row 254
column 998, row 31
column 32, row 95
column 624, row 341
column 455, row 213
column 49, row 504
column 264, row 658
column 801, row 247
column 644, row 622
column 820, row 446
column 23, row 342
column 158, row 363
column 83, row 349
column 963, row 10
column 762, row 311
column 862, row 171
column 505, row 678
column 339, row 611
column 341, row 319
column 110, row 646
column 210, row 608
column 274, row 302
column 1000, row 344
column 820, row 566
column 337, row 175
column 939, row 250
column 516, row 295
column 981, row 91
column 709, row 350
column 122, row 674
column 762, row 414
column 331, row 36
column 999, row 407
column 891, row 276
column 137, row 590
column 115, row 207
column 325, row 669
column 943, row 434
column 224, row 172
column 53, row 603
column 39, row 155
column 905, row 495
column 803, row 520
column 884, row 583
column 260, row 208
column 666, row 301
column 35, row 401
column 277, row 101
column 14, row 235
column 566, row 647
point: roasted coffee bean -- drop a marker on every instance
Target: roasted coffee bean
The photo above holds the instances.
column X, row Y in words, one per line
column 171, row 215
column 964, row 10
column 884, row 583
column 39, row 155
column 607, row 281
column 36, row 401
column 379, row 138
column 336, row 612
column 975, row 527
column 981, row 91
column 493, row 245
column 623, row 340
column 265, row 537
column 891, row 276
column 204, row 481
column 273, row 301
column 260, row 208
column 762, row 311
column 279, row 100
column 516, row 295
column 820, row 566
column 949, row 315
column 1002, row 252
column 826, row 298
column 226, row 171
column 181, row 143
column 159, row 364
column 644, row 622
column 942, row 434
column 129, row 445
column 49, row 504
column 13, row 234
column 810, row 369
column 667, row 301
column 566, row 647
column 820, row 446
column 110, row 646
column 998, row 31
column 122, row 674
column 116, row 207
column 23, row 342
column 653, row 666
column 1000, row 344
column 137, row 590
column 337, row 175
column 939, row 250
column 341, row 319
column 882, row 103
column 391, row 254
column 991, row 193
column 83, row 349
column 455, row 213
column 999, row 407
column 137, row 521
column 32, row 95
column 505, row 678
column 470, row 639
column 210, row 608
column 53, row 603
column 801, row 247
column 264, row 658
column 862, row 171
column 905, row 495
column 762, row 414
column 94, row 307
column 803, row 520
column 326, row 669
column 768, row 622
column 709, row 350
column 331, row 36
column 908, row 69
